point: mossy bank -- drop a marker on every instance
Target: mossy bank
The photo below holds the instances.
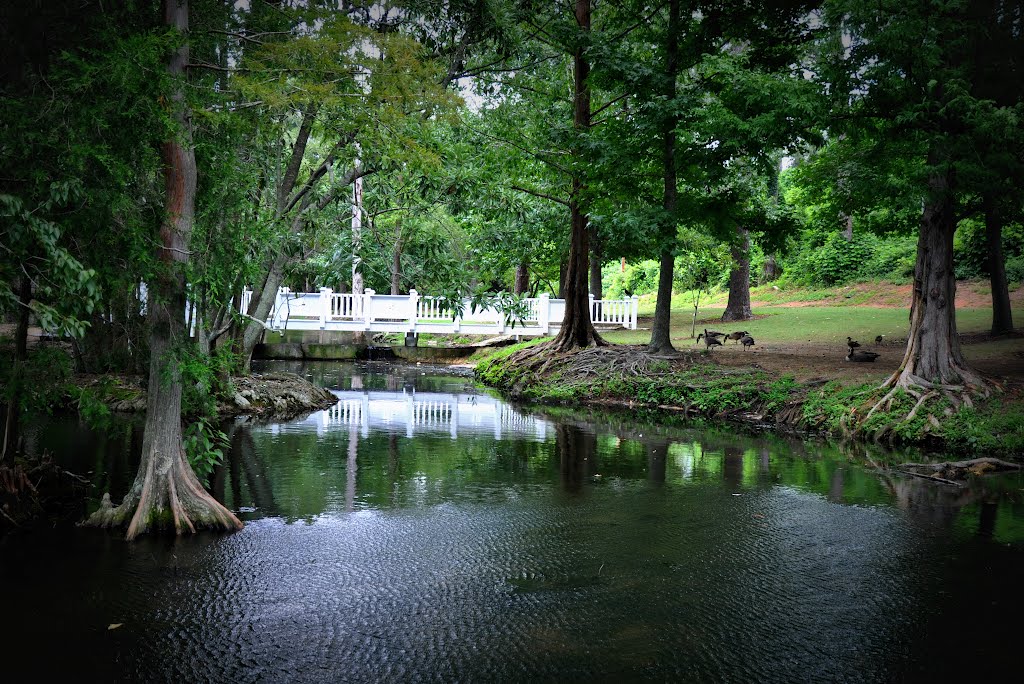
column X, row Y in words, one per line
column 694, row 384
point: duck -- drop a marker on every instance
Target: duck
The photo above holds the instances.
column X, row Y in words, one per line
column 737, row 335
column 709, row 341
column 852, row 343
column 862, row 356
column 747, row 341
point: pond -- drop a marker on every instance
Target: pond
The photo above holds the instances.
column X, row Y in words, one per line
column 425, row 530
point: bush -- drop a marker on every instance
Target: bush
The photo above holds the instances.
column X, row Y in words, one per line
column 637, row 279
column 1015, row 269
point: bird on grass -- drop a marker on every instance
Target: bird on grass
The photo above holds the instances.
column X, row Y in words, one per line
column 852, row 343
column 709, row 341
column 747, row 341
column 709, row 334
column 878, row 339
column 862, row 356
column 737, row 335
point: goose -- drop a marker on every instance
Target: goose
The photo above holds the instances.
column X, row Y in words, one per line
column 878, row 339
column 862, row 356
column 737, row 335
column 852, row 343
column 709, row 341
column 747, row 341
column 708, row 335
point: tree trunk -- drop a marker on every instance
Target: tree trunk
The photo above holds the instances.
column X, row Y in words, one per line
column 522, row 278
column 396, row 262
column 738, row 308
column 1002, row 314
column 596, row 287
column 770, row 271
column 577, row 329
column 847, row 227
column 661, row 342
column 933, row 357
column 166, row 491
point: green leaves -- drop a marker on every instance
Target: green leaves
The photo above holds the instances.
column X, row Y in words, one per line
column 204, row 447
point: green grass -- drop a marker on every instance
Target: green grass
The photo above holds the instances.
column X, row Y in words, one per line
column 814, row 324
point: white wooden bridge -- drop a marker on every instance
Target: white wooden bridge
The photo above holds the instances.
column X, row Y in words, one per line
column 412, row 413
column 413, row 313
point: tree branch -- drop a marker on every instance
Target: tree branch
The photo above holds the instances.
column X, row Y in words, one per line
column 540, row 194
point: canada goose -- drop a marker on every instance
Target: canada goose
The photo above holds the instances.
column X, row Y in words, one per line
column 709, row 341
column 737, row 335
column 851, row 343
column 708, row 335
column 878, row 339
column 862, row 356
column 747, row 341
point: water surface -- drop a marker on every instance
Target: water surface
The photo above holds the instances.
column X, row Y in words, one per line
column 424, row 530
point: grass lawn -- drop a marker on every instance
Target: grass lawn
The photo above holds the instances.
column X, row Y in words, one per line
column 818, row 324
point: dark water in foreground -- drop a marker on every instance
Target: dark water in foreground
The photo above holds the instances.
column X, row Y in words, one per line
column 425, row 531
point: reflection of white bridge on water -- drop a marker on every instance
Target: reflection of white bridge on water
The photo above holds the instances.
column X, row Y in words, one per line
column 427, row 413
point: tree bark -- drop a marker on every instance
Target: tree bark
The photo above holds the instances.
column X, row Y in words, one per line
column 166, row 492
column 661, row 342
column 738, row 308
column 933, row 357
column 522, row 278
column 770, row 271
column 1002, row 314
column 396, row 266
column 847, row 227
column 577, row 329
column 596, row 287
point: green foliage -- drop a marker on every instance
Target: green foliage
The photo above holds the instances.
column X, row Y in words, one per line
column 201, row 377
column 637, row 279
column 993, row 428
column 204, row 447
column 819, row 257
column 971, row 249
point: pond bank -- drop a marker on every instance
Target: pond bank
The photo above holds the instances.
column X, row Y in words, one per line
column 279, row 395
column 694, row 384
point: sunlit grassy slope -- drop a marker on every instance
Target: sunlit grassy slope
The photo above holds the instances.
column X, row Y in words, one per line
column 816, row 324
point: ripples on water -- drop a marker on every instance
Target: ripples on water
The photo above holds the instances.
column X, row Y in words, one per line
column 424, row 531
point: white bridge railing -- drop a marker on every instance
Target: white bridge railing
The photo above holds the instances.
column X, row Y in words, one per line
column 329, row 310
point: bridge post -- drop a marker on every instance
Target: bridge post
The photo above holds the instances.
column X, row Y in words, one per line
column 414, row 299
column 325, row 306
column 593, row 316
column 368, row 307
column 634, row 306
column 544, row 313
column 280, row 315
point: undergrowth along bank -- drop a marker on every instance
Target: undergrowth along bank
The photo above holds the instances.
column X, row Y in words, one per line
column 696, row 385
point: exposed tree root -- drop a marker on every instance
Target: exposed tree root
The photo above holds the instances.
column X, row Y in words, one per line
column 925, row 390
column 162, row 497
column 933, row 478
column 958, row 470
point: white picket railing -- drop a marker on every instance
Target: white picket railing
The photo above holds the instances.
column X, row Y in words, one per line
column 372, row 312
